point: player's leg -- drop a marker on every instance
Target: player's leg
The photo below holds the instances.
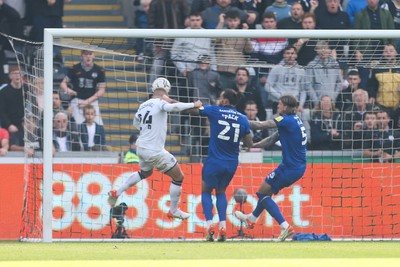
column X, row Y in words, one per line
column 207, row 205
column 175, row 191
column 222, row 203
column 264, row 194
column 175, row 188
column 146, row 170
column 265, row 201
column 271, row 185
column 128, row 183
column 212, row 173
column 277, row 180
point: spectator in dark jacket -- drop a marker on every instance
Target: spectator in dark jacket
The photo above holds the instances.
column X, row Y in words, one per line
column 12, row 102
column 384, row 143
column 46, row 14
column 10, row 24
column 211, row 14
column 373, row 17
column 63, row 138
column 242, row 78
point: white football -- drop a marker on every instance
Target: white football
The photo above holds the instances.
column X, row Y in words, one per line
column 161, row 83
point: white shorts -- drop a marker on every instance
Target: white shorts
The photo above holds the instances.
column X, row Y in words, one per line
column 163, row 161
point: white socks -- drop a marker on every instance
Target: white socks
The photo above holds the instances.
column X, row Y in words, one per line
column 175, row 194
column 131, row 181
column 284, row 225
column 252, row 218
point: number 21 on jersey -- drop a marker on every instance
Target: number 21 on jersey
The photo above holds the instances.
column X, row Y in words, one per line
column 224, row 134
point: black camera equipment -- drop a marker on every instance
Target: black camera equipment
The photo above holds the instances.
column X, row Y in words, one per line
column 118, row 213
column 240, row 196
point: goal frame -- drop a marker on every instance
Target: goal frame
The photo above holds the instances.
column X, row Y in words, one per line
column 51, row 34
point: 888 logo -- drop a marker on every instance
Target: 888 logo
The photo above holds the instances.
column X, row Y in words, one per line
column 84, row 200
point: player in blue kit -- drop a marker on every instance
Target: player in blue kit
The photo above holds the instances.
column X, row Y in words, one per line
column 227, row 128
column 293, row 138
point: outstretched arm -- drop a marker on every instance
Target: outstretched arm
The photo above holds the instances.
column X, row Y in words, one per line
column 259, row 125
column 193, row 111
column 181, row 106
column 268, row 141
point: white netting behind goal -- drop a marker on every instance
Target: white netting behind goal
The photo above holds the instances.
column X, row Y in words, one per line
column 346, row 192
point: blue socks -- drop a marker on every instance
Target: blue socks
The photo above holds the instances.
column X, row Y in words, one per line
column 222, row 204
column 266, row 202
column 259, row 208
column 206, row 203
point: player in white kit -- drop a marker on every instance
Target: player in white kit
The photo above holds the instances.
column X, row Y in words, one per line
column 151, row 121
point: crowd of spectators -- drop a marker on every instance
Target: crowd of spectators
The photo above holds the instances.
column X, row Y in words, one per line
column 335, row 96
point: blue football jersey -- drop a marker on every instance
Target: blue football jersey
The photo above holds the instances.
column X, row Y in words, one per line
column 293, row 137
column 227, row 128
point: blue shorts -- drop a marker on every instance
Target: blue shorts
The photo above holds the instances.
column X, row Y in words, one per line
column 282, row 177
column 218, row 174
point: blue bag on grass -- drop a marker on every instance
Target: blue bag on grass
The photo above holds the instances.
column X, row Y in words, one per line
column 311, row 237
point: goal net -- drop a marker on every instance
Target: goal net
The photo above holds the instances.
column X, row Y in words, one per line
column 351, row 189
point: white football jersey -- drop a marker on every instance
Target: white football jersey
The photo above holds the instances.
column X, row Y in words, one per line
column 151, row 121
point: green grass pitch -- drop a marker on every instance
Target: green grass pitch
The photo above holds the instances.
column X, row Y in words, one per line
column 177, row 254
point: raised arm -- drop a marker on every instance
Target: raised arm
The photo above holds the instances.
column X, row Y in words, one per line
column 268, row 141
column 259, row 125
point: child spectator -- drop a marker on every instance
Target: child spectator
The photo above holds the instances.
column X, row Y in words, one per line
column 131, row 156
column 92, row 134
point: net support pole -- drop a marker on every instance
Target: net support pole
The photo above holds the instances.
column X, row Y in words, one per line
column 48, row 135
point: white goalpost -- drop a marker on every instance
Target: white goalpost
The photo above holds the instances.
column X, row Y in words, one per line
column 341, row 194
